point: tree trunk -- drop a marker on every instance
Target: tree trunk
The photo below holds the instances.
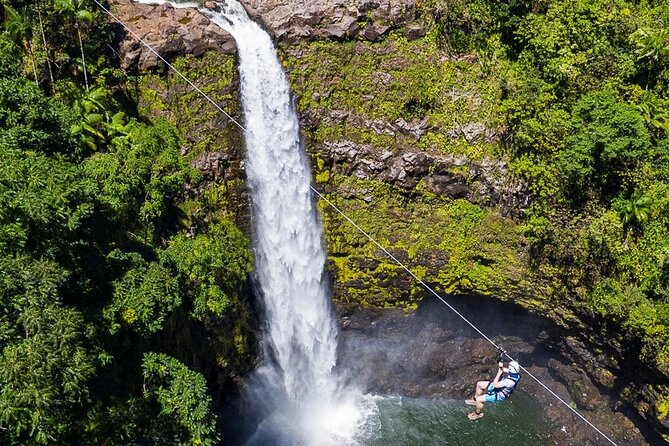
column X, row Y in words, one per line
column 83, row 58
column 29, row 49
column 46, row 48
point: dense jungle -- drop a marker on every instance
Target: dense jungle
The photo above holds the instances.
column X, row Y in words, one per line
column 516, row 151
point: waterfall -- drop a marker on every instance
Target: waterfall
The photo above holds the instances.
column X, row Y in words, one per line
column 305, row 400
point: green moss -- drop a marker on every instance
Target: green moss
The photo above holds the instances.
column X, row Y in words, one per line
column 323, row 176
column 202, row 125
column 454, row 245
column 392, row 80
column 663, row 407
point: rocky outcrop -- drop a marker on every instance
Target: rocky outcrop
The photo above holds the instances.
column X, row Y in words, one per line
column 212, row 165
column 169, row 31
column 292, row 20
column 487, row 182
column 174, row 31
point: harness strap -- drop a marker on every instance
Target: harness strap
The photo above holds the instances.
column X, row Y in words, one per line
column 507, row 391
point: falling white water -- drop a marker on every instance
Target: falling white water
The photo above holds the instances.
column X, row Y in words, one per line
column 307, row 403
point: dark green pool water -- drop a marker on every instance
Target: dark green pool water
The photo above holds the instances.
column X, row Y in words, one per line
column 418, row 422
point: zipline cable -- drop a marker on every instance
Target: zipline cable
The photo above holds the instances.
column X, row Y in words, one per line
column 428, row 288
column 150, row 48
column 362, row 231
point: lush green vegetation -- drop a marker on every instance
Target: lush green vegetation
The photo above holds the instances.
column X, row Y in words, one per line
column 106, row 298
column 585, row 96
column 575, row 94
column 454, row 245
column 392, row 81
column 118, row 261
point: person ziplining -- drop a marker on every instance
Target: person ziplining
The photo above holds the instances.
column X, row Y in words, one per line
column 497, row 390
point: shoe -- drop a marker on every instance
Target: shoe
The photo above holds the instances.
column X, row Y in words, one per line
column 475, row 415
column 470, row 401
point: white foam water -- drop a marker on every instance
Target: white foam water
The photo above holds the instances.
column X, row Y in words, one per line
column 305, row 400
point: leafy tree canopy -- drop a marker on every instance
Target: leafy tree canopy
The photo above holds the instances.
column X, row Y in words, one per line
column 609, row 138
column 143, row 297
column 43, row 200
column 213, row 265
column 143, row 172
column 182, row 397
column 31, row 121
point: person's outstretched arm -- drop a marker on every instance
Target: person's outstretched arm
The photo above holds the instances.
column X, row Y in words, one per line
column 500, row 370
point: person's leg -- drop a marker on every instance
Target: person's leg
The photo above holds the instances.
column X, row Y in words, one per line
column 481, row 388
column 479, row 403
column 478, row 412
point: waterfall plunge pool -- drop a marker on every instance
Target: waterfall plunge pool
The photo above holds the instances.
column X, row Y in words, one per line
column 403, row 421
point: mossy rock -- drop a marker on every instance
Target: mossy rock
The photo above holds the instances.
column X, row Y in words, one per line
column 203, row 126
column 395, row 79
column 453, row 245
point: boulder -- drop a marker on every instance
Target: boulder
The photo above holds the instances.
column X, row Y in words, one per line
column 373, row 31
column 415, row 31
column 169, row 31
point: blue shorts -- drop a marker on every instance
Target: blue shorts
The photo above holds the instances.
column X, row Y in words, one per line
column 493, row 396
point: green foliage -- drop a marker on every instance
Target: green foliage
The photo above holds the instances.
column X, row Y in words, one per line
column 577, row 44
column 44, row 376
column 142, row 299
column 18, row 27
column 611, row 298
column 631, row 307
column 83, row 294
column 97, row 125
column 10, row 55
column 31, row 121
column 609, row 138
column 651, row 43
column 45, row 364
column 636, row 209
column 26, row 283
column 214, row 265
column 655, row 112
column 76, row 8
column 182, row 396
column 42, row 202
column 143, row 173
column 464, row 25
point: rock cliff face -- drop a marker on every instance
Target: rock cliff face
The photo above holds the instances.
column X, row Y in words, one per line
column 169, row 31
column 292, row 20
column 486, row 182
column 173, row 31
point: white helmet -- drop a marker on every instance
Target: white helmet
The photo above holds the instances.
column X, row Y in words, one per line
column 514, row 367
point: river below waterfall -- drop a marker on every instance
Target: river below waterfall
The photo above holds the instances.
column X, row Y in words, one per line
column 402, row 421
